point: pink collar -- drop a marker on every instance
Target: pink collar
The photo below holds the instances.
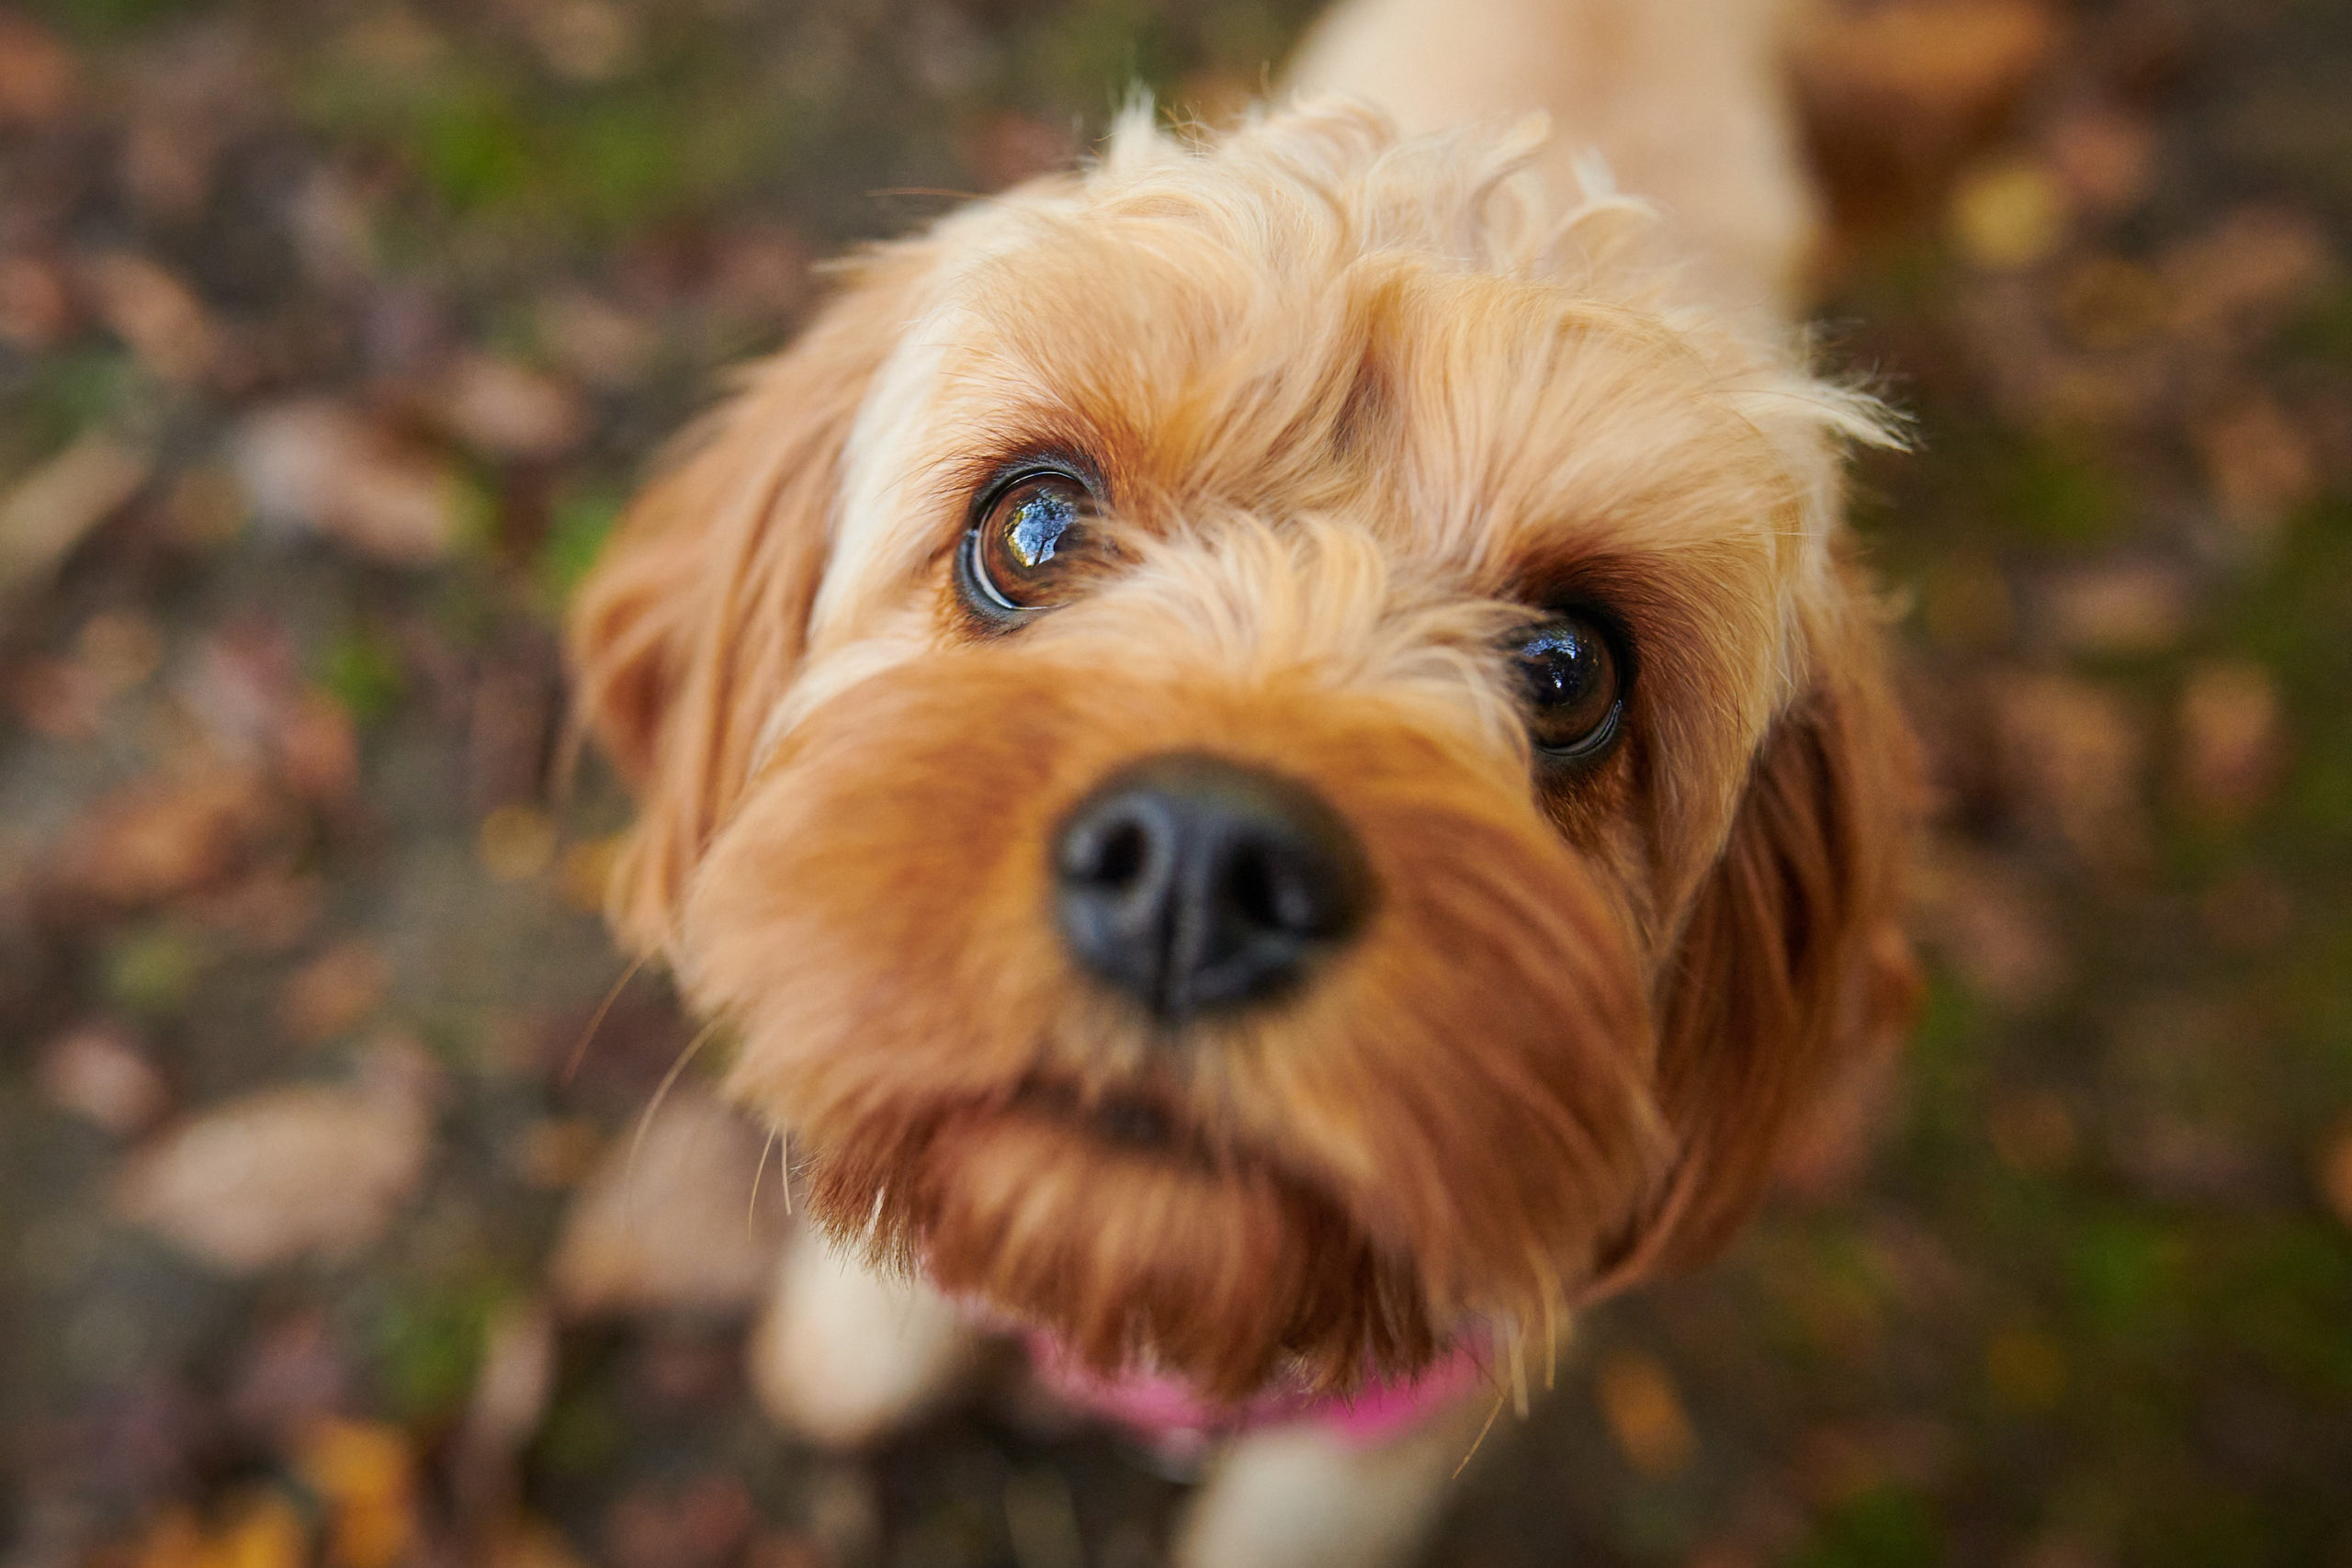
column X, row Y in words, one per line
column 1173, row 1418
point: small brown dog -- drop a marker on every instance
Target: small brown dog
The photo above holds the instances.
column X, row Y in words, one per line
column 1276, row 751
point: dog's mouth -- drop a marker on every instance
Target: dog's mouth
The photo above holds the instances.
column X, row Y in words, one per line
column 1130, row 1118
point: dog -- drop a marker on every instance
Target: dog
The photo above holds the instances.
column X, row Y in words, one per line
column 1276, row 752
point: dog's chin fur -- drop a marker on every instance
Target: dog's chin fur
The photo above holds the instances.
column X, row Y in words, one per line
column 1357, row 408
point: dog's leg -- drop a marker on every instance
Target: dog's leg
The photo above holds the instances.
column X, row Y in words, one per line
column 843, row 1354
column 1688, row 100
column 1304, row 1496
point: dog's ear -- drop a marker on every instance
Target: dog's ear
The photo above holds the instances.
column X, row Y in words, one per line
column 1794, row 971
column 686, row 632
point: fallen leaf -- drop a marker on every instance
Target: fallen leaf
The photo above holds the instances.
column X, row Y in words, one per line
column 54, row 508
column 2123, row 608
column 366, row 1474
column 99, row 1073
column 318, row 466
column 334, row 992
column 38, row 73
column 505, row 409
column 2008, row 215
column 2072, row 755
column 1985, row 923
column 1643, row 1413
column 2232, row 736
column 2251, row 268
column 2259, row 464
column 594, row 340
column 2106, row 156
column 667, row 1222
column 306, row 1170
column 36, row 310
column 146, row 305
column 157, row 841
column 261, row 1530
column 318, row 749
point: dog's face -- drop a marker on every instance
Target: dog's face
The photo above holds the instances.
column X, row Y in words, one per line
column 1270, row 757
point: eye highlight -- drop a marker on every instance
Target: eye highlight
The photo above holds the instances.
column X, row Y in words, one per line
column 1031, row 543
column 1574, row 677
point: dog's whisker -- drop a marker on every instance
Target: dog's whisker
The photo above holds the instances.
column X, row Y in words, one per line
column 752, row 1209
column 1480, row 1440
column 654, row 1108
column 596, row 1020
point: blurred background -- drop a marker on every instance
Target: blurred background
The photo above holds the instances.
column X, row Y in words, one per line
column 333, row 335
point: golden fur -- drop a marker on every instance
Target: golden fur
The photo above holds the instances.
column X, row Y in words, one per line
column 1357, row 404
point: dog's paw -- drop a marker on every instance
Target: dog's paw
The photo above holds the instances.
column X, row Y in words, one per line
column 843, row 1356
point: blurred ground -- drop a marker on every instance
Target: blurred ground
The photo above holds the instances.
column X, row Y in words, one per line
column 331, row 334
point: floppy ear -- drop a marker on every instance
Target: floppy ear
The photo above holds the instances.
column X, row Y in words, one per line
column 687, row 631
column 1794, row 969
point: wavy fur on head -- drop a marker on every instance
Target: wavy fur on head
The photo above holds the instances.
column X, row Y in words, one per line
column 1357, row 406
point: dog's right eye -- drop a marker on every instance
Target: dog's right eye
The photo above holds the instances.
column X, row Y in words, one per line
column 1029, row 547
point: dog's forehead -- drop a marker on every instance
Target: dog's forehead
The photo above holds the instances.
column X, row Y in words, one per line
column 1233, row 341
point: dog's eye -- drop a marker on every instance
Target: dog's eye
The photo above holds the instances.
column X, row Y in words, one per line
column 1030, row 546
column 1574, row 683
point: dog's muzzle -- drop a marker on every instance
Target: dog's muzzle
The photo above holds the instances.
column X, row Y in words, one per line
column 1194, row 884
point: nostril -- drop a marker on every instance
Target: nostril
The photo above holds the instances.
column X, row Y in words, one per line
column 1119, row 856
column 1109, row 853
column 1273, row 889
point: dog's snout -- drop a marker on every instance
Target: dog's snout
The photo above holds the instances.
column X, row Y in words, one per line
column 1195, row 884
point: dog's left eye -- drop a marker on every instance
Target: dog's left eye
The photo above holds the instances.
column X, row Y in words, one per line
column 1574, row 683
column 1030, row 546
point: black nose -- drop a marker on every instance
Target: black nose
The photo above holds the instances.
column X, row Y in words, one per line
column 1194, row 884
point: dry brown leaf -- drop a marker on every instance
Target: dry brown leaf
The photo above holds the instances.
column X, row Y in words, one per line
column 334, row 992
column 1988, row 926
column 317, row 465
column 306, row 1170
column 53, row 508
column 2261, row 465
column 154, row 312
column 2250, row 268
column 35, row 308
column 2073, row 754
column 674, row 1226
column 157, row 841
column 2125, row 607
column 2232, row 739
column 100, row 1074
column 2106, row 156
column 38, row 73
column 365, row 1473
column 318, row 751
column 505, row 409
column 595, row 341
column 1643, row 1413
